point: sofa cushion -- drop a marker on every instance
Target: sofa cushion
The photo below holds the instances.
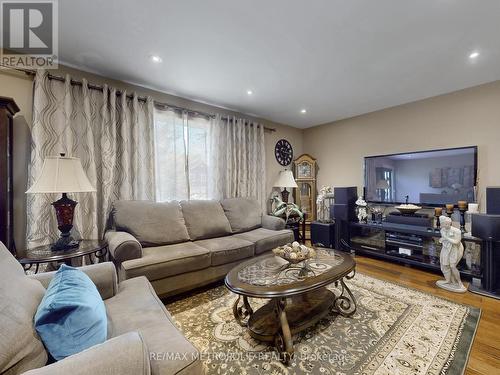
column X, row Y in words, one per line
column 227, row 249
column 164, row 261
column 205, row 219
column 71, row 316
column 151, row 223
column 20, row 346
column 266, row 239
column 244, row 214
column 137, row 308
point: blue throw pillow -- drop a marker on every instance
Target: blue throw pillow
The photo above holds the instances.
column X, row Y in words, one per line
column 71, row 316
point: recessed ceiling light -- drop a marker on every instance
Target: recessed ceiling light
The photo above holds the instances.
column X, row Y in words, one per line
column 303, row 111
column 249, row 92
column 474, row 55
column 155, row 58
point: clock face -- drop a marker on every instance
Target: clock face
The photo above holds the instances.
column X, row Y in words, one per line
column 304, row 170
column 283, row 152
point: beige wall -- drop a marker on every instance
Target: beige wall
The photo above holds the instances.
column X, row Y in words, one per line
column 19, row 86
column 463, row 118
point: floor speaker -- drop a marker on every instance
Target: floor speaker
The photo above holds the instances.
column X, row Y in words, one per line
column 493, row 200
column 323, row 234
column 487, row 227
column 340, row 211
column 343, row 211
column 346, row 195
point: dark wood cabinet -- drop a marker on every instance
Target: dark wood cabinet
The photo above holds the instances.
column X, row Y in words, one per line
column 8, row 108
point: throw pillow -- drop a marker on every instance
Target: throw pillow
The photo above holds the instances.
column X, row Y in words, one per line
column 151, row 223
column 71, row 316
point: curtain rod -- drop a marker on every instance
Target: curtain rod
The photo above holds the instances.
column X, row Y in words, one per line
column 142, row 99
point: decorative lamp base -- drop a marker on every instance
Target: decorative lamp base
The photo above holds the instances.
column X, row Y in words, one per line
column 284, row 195
column 65, row 209
column 65, row 243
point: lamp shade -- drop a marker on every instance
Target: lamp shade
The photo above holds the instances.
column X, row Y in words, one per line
column 61, row 174
column 285, row 179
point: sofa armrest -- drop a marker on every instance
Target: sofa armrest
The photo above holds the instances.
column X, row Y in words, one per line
column 103, row 275
column 273, row 222
column 122, row 246
column 125, row 354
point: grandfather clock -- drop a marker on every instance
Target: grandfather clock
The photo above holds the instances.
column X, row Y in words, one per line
column 8, row 108
column 305, row 176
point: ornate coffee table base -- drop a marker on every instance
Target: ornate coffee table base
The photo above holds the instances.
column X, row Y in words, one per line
column 241, row 313
column 281, row 318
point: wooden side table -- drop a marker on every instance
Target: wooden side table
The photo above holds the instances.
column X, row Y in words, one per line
column 44, row 254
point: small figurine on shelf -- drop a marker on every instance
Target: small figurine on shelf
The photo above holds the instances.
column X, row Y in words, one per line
column 451, row 253
column 378, row 214
column 361, row 210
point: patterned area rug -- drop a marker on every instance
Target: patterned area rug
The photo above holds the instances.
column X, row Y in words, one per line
column 395, row 330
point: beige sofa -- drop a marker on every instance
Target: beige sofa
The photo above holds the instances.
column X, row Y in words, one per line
column 182, row 245
column 142, row 339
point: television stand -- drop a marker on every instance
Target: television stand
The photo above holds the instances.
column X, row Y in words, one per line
column 413, row 245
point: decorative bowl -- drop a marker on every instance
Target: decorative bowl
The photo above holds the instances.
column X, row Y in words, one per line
column 294, row 253
column 408, row 209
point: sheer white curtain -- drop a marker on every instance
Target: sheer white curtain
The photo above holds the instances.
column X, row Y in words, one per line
column 181, row 146
column 111, row 134
column 237, row 159
column 208, row 158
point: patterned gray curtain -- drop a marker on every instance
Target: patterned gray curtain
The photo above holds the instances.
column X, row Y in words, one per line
column 237, row 160
column 112, row 135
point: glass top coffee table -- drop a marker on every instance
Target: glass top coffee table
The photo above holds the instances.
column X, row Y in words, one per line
column 298, row 295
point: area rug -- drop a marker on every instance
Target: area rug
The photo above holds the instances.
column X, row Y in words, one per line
column 395, row 330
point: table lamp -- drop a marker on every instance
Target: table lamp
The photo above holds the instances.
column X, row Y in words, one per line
column 285, row 179
column 61, row 174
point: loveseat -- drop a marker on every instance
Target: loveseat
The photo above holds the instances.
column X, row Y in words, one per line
column 142, row 339
column 182, row 245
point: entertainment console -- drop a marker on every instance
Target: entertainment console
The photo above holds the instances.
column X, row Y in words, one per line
column 411, row 244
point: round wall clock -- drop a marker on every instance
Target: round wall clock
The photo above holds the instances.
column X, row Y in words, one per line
column 283, row 152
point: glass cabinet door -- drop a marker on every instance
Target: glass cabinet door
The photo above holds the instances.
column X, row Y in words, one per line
column 305, row 197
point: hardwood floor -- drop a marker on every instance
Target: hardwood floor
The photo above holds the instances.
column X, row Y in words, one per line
column 485, row 353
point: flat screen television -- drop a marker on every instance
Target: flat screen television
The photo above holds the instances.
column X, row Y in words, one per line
column 428, row 178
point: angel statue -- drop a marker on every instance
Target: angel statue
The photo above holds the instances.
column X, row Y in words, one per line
column 451, row 253
column 321, row 208
column 282, row 209
column 361, row 210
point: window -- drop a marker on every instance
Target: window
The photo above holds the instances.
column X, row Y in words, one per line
column 181, row 148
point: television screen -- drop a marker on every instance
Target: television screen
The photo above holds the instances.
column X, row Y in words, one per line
column 430, row 178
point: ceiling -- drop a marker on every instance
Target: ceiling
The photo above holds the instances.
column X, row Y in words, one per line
column 334, row 58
